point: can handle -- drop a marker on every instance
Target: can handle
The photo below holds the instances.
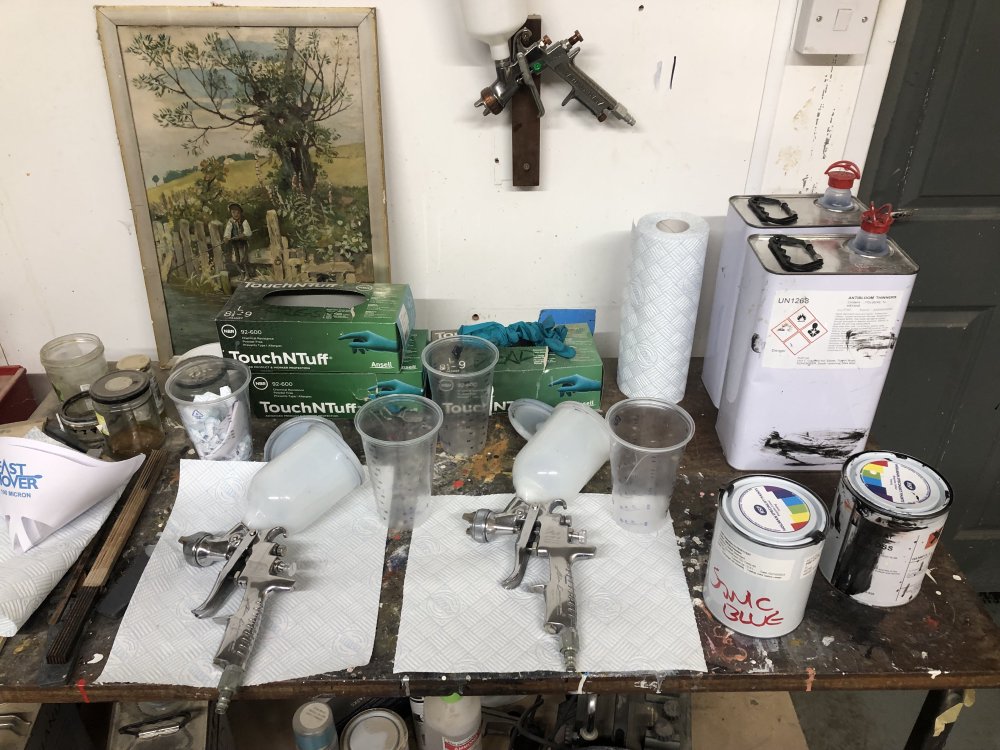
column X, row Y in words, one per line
column 777, row 245
column 757, row 204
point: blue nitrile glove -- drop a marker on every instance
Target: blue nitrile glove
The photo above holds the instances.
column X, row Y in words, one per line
column 386, row 387
column 540, row 334
column 574, row 384
column 362, row 341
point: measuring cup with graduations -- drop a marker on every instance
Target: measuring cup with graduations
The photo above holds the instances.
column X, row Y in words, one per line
column 460, row 372
column 398, row 433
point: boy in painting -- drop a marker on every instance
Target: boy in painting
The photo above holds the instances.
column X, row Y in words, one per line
column 236, row 235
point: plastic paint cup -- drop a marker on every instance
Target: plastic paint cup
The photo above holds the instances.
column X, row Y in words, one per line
column 210, row 394
column 460, row 372
column 398, row 433
column 561, row 457
column 648, row 437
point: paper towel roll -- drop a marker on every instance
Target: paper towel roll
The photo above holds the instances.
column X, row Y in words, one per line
column 661, row 304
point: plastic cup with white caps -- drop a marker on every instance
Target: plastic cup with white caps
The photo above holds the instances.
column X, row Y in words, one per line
column 460, row 374
column 648, row 436
column 565, row 452
column 211, row 397
column 398, row 433
column 313, row 727
column 310, row 468
column 73, row 363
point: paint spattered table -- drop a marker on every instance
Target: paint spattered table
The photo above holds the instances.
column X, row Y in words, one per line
column 943, row 641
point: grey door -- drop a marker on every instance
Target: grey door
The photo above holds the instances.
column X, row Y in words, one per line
column 936, row 155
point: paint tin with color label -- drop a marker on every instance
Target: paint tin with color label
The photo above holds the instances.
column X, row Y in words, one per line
column 888, row 516
column 768, row 538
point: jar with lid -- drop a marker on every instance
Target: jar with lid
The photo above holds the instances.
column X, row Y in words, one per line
column 76, row 416
column 73, row 363
column 126, row 413
column 142, row 363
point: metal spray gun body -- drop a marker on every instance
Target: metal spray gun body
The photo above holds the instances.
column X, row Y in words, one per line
column 559, row 57
column 253, row 563
column 543, row 533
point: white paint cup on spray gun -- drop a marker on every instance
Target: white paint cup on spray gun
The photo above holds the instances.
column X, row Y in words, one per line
column 648, row 437
column 561, row 457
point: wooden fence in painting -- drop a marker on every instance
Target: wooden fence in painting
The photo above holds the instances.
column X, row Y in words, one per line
column 196, row 250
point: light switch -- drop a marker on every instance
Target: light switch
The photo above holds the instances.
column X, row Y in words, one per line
column 835, row 27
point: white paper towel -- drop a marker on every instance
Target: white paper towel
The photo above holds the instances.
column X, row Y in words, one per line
column 660, row 304
column 26, row 578
column 634, row 609
column 326, row 623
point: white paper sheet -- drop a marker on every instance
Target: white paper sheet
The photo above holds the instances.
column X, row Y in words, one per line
column 634, row 609
column 326, row 624
column 44, row 486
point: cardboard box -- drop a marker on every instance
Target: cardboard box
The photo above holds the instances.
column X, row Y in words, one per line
column 317, row 327
column 535, row 372
column 333, row 394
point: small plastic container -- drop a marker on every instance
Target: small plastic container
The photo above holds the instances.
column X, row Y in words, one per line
column 142, row 363
column 837, row 196
column 306, row 477
column 126, row 413
column 453, row 721
column 871, row 239
column 77, row 417
column 313, row 727
column 73, row 363
column 563, row 455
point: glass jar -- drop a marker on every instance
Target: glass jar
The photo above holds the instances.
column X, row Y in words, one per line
column 126, row 413
column 76, row 416
column 142, row 363
column 73, row 362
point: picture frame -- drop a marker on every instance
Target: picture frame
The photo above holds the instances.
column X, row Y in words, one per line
column 252, row 145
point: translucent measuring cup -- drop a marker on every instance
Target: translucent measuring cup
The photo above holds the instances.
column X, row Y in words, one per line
column 460, row 372
column 399, row 432
column 648, row 437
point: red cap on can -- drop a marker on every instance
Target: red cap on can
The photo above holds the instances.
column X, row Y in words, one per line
column 877, row 220
column 843, row 174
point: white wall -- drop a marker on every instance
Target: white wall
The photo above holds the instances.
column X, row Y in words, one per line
column 744, row 114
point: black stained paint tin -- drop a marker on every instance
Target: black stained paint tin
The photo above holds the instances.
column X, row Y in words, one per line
column 886, row 522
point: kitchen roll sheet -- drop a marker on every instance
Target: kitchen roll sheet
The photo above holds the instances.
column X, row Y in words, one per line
column 660, row 304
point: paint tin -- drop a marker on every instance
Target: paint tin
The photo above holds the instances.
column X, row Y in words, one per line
column 768, row 538
column 375, row 729
column 888, row 516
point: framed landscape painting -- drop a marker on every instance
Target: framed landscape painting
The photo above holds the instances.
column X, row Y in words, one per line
column 252, row 145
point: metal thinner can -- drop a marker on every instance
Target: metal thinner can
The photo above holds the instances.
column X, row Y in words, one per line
column 375, row 729
column 888, row 517
column 767, row 542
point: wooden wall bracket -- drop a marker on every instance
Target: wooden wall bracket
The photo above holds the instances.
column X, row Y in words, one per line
column 525, row 125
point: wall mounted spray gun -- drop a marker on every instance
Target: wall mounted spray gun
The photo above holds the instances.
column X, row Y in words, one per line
column 253, row 563
column 495, row 23
column 543, row 533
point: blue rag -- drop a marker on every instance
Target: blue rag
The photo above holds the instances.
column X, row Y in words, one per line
column 545, row 333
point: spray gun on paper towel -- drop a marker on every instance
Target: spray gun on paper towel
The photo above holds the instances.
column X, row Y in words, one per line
column 253, row 562
column 496, row 22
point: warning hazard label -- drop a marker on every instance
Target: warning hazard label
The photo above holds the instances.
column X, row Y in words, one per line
column 799, row 330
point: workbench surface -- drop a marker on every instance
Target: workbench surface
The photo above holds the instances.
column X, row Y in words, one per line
column 943, row 639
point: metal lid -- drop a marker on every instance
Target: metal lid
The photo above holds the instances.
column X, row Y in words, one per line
column 810, row 214
column 526, row 415
column 773, row 511
column 838, row 258
column 897, row 485
column 77, row 411
column 375, row 729
column 118, row 387
column 134, row 362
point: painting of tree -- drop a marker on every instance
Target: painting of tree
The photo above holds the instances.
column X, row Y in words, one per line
column 255, row 144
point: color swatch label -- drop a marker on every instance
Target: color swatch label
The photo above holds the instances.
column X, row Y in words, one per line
column 894, row 482
column 774, row 508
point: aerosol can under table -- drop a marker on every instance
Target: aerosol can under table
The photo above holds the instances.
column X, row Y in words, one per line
column 816, row 324
column 834, row 212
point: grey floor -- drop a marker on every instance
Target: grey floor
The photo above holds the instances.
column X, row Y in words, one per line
column 883, row 720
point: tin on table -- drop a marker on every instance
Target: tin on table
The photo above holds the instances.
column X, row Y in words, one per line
column 375, row 729
column 766, row 546
column 889, row 513
column 126, row 413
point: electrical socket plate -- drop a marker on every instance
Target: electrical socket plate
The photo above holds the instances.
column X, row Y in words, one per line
column 835, row 27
